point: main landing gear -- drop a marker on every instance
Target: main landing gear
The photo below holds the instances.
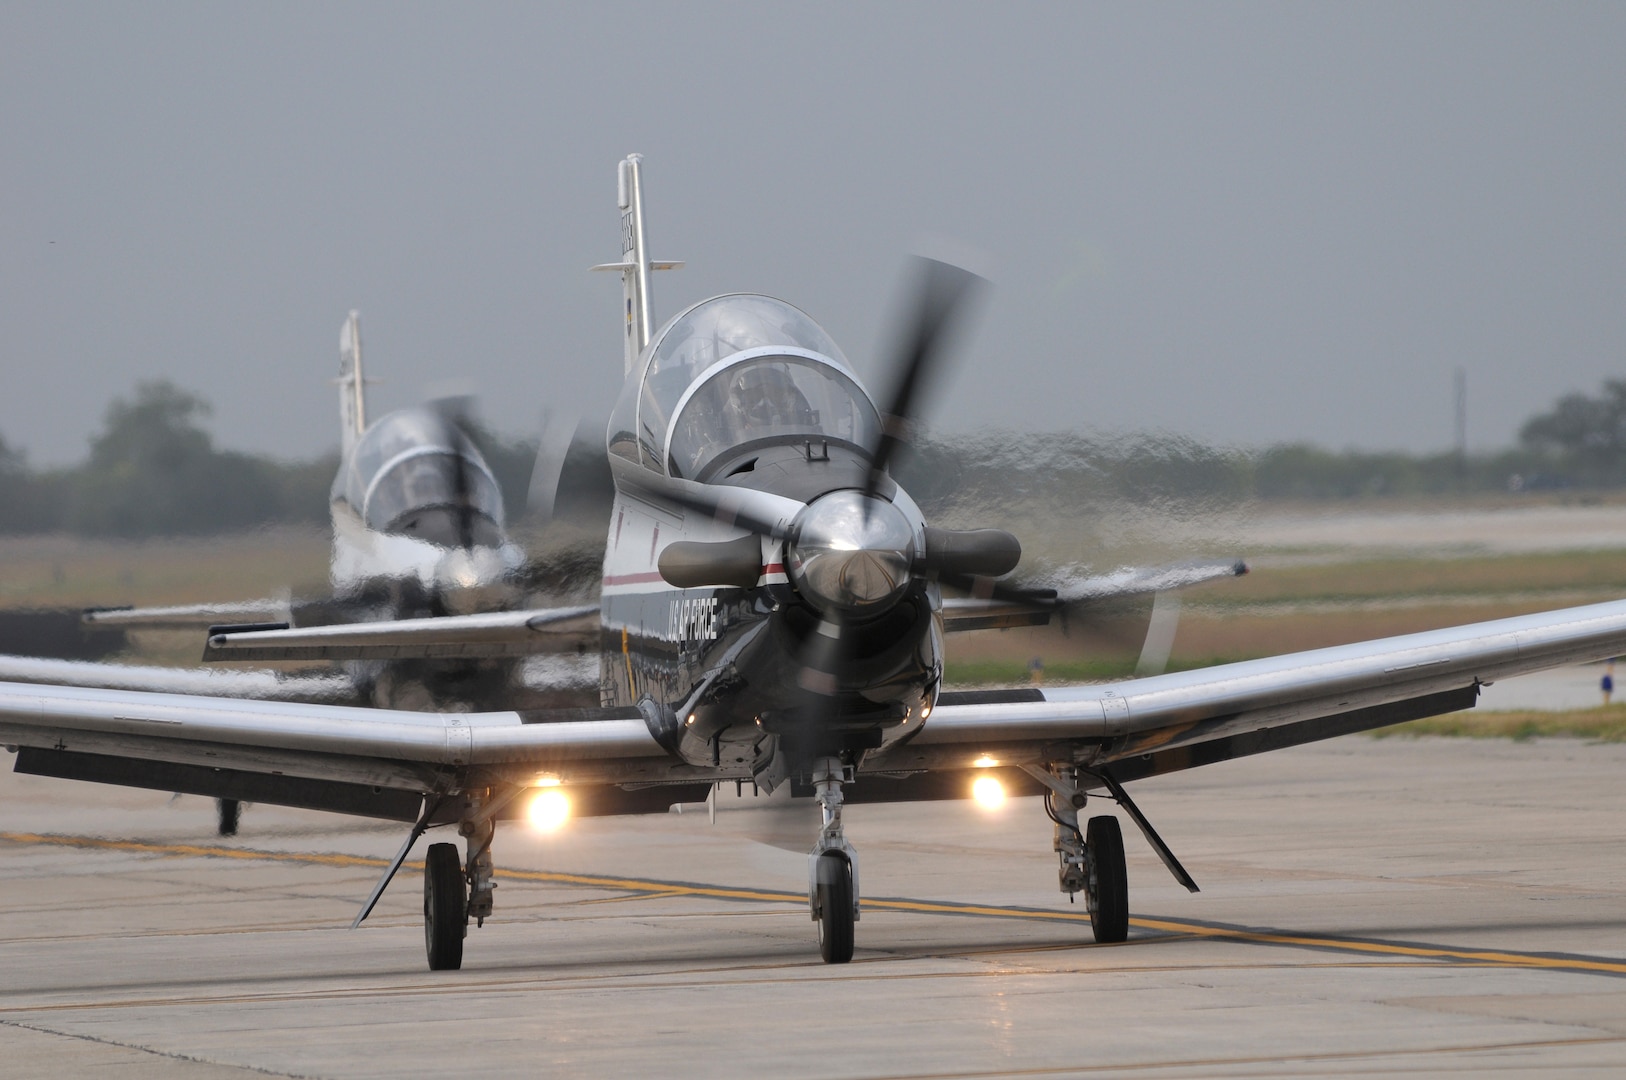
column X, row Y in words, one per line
column 1092, row 858
column 228, row 813
column 445, row 907
column 455, row 892
column 832, row 870
column 1092, row 862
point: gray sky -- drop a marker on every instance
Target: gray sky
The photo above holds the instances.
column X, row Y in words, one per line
column 1246, row 223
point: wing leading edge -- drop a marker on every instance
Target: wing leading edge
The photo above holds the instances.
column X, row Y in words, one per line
column 506, row 633
column 411, row 751
column 1169, row 722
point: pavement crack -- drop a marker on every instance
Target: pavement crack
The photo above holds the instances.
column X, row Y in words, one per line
column 167, row 1055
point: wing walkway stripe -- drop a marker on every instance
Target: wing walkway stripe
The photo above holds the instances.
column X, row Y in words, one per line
column 1501, row 958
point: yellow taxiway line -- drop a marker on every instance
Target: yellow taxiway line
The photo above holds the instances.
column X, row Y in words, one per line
column 662, row 889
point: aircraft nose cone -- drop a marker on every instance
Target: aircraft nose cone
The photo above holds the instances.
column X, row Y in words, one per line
column 871, row 576
column 851, row 552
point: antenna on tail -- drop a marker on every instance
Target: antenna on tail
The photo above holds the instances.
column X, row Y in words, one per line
column 635, row 264
column 352, row 383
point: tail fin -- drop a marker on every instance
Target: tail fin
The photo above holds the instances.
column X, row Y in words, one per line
column 352, row 384
column 635, row 263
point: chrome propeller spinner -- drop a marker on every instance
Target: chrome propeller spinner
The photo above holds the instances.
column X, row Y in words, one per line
column 850, row 552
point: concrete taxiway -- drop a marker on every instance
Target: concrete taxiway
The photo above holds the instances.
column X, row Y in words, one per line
column 1369, row 906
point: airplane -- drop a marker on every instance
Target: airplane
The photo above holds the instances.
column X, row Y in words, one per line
column 772, row 613
column 418, row 530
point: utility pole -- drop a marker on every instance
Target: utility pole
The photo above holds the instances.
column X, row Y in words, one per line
column 1461, row 382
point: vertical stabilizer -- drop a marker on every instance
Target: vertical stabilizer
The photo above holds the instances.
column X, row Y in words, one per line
column 635, row 264
column 352, row 384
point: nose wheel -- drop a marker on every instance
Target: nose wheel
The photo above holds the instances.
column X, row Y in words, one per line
column 832, row 892
column 835, row 902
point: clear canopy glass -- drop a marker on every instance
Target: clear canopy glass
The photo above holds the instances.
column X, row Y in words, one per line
column 773, row 398
column 697, row 340
column 407, row 474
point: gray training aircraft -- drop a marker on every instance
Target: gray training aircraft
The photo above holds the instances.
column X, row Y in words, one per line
column 419, row 531
column 773, row 612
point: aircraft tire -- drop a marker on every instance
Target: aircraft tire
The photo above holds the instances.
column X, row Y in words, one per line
column 445, row 907
column 230, row 812
column 836, row 910
column 1109, row 880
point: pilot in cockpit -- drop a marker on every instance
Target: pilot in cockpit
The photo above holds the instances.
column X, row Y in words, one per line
column 767, row 396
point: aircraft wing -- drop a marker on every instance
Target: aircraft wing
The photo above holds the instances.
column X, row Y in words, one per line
column 1165, row 723
column 507, row 633
column 185, row 616
column 331, row 689
column 368, row 761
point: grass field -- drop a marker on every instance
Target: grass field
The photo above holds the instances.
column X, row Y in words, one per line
column 1605, row 724
column 1291, row 601
column 71, row 572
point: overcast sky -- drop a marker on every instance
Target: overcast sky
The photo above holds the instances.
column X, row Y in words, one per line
column 1245, row 223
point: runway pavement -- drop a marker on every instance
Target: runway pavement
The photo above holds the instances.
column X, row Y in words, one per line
column 1400, row 906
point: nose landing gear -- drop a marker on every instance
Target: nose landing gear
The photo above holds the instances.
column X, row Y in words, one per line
column 832, row 871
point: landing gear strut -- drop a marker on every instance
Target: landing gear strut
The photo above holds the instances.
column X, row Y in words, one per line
column 1092, row 858
column 832, row 892
column 1092, row 862
column 454, row 890
column 228, row 812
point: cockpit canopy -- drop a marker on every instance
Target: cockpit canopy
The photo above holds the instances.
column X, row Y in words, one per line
column 414, row 473
column 732, row 371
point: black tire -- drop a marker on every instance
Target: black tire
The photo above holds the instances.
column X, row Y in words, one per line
column 1109, row 881
column 230, row 812
column 835, row 909
column 445, row 907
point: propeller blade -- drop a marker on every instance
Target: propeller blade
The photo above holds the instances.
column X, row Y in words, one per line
column 761, row 512
column 821, row 658
column 942, row 292
column 455, row 411
column 571, row 486
column 552, row 448
column 774, row 819
column 1154, row 654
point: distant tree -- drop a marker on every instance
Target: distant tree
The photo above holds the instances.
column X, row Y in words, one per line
column 154, row 471
column 29, row 503
column 1586, row 434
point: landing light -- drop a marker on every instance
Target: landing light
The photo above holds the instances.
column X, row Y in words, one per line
column 984, row 762
column 548, row 810
column 989, row 792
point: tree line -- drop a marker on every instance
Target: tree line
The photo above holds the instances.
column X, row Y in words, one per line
column 153, row 469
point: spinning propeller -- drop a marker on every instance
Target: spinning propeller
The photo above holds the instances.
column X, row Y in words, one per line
column 851, row 553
